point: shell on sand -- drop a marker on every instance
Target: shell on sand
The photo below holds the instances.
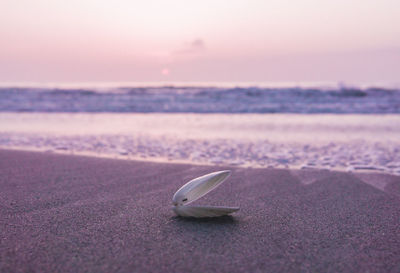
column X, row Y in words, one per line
column 197, row 188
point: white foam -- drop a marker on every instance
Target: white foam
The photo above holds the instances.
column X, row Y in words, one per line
column 350, row 142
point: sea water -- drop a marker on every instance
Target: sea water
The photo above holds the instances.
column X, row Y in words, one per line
column 346, row 129
column 187, row 99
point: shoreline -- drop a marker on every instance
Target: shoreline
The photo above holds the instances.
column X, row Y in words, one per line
column 65, row 213
column 366, row 170
column 324, row 141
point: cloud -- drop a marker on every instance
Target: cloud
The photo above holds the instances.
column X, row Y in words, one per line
column 194, row 47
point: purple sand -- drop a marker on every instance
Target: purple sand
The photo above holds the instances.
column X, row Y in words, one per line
column 62, row 213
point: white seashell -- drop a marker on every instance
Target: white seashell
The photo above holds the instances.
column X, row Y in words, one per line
column 197, row 188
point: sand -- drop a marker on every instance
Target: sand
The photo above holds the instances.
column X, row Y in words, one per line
column 61, row 213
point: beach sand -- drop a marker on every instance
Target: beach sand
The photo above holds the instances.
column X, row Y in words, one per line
column 63, row 213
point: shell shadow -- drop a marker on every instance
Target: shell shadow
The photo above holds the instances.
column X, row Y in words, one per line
column 222, row 220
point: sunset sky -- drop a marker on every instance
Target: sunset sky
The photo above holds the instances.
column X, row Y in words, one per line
column 208, row 40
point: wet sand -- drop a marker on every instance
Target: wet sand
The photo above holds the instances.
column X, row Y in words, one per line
column 61, row 213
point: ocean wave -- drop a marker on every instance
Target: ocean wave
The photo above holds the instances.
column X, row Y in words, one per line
column 170, row 99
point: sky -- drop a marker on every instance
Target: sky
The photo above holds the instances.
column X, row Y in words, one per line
column 195, row 41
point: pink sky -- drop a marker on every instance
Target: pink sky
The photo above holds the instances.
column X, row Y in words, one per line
column 208, row 40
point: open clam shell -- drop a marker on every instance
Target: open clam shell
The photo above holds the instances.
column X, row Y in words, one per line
column 197, row 188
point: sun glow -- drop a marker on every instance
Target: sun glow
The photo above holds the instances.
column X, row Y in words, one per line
column 165, row 72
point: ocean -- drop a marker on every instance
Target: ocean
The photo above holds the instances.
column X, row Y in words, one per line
column 192, row 99
column 351, row 129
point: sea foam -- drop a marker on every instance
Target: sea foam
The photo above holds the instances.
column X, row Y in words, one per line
column 345, row 142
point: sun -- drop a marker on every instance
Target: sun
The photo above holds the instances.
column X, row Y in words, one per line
column 165, row 71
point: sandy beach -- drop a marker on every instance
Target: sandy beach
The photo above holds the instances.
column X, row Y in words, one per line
column 116, row 116
column 63, row 213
